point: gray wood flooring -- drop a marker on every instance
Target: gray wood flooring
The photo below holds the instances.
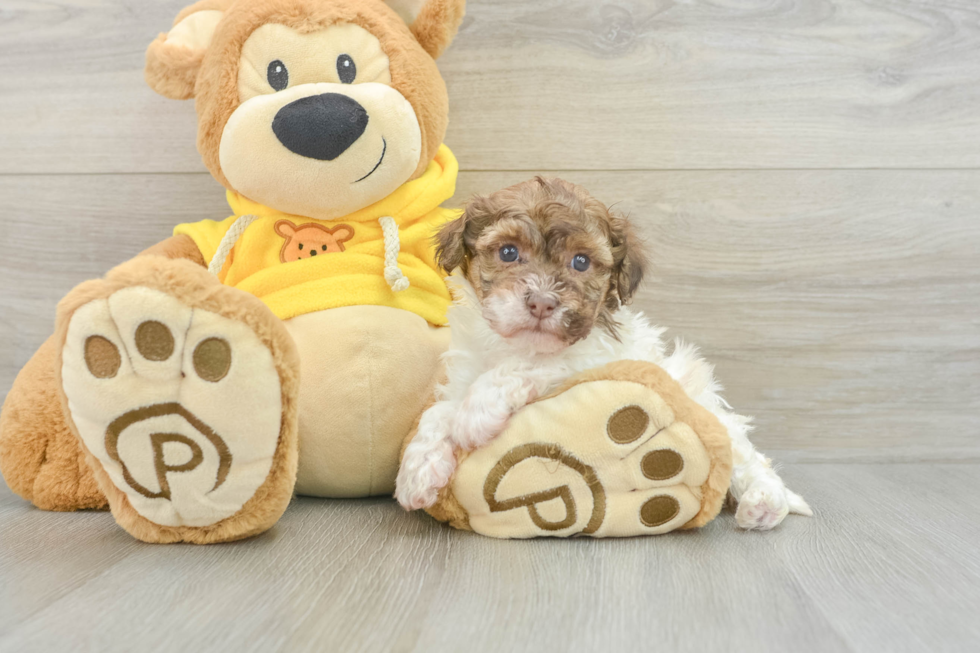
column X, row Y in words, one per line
column 891, row 562
column 807, row 175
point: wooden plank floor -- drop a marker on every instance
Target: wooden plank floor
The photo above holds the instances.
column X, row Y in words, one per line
column 807, row 175
column 890, row 563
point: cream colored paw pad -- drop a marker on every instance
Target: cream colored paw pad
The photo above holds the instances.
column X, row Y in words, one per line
column 182, row 407
column 604, row 458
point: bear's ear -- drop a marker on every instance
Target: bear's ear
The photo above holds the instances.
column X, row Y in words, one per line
column 174, row 59
column 433, row 22
column 342, row 233
column 285, row 228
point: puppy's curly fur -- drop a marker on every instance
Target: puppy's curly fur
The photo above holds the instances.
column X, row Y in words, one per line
column 544, row 275
column 549, row 222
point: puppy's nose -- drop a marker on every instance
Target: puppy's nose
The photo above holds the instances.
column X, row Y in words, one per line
column 541, row 306
column 320, row 127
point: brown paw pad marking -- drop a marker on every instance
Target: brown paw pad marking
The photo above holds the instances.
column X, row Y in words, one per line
column 659, row 510
column 531, row 501
column 627, row 425
column 102, row 357
column 212, row 359
column 157, row 441
column 155, row 342
column 662, row 464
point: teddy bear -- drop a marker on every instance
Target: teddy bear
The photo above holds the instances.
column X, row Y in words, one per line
column 292, row 347
column 171, row 390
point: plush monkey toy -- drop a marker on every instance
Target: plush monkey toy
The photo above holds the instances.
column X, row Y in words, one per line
column 171, row 390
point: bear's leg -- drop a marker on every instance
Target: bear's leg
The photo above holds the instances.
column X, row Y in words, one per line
column 182, row 392
column 40, row 457
column 617, row 451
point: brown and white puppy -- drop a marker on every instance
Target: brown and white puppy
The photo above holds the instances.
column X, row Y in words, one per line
column 545, row 273
column 547, row 261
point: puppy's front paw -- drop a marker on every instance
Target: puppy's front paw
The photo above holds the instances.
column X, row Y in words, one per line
column 763, row 506
column 473, row 428
column 422, row 474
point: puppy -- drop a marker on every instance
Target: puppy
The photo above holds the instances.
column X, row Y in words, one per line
column 544, row 274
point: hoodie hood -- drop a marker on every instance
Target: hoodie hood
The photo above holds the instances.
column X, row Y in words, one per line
column 379, row 255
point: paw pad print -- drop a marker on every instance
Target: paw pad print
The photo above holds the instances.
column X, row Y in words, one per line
column 606, row 458
column 155, row 342
column 182, row 407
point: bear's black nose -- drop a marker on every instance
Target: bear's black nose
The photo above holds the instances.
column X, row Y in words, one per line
column 320, row 126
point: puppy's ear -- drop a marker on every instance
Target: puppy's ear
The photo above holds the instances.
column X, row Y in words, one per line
column 450, row 246
column 174, row 59
column 433, row 22
column 629, row 256
column 455, row 240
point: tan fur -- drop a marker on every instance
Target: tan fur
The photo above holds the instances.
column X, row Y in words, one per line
column 202, row 5
column 172, row 70
column 177, row 247
column 413, row 70
column 713, row 435
column 40, row 457
column 196, row 288
column 437, row 23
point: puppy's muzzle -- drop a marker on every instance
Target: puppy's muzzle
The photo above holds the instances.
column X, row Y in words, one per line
column 320, row 127
column 541, row 305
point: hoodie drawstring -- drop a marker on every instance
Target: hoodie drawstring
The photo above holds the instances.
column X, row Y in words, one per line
column 228, row 242
column 393, row 274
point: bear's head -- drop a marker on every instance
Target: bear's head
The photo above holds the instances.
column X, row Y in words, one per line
column 313, row 107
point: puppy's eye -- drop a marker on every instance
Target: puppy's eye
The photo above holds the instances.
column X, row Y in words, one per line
column 346, row 69
column 581, row 262
column 508, row 253
column 277, row 75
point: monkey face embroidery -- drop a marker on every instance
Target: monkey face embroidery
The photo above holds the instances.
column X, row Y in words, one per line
column 309, row 240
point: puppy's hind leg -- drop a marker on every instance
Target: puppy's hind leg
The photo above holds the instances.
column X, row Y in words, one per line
column 763, row 499
column 762, row 496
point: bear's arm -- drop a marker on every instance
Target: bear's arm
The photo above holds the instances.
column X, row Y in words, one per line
column 179, row 246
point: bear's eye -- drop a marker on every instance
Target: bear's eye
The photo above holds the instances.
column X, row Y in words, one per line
column 581, row 262
column 508, row 253
column 277, row 75
column 346, row 69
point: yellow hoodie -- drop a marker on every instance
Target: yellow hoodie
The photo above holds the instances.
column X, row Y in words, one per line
column 298, row 265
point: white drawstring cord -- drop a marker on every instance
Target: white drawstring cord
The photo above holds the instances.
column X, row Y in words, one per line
column 228, row 242
column 393, row 274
